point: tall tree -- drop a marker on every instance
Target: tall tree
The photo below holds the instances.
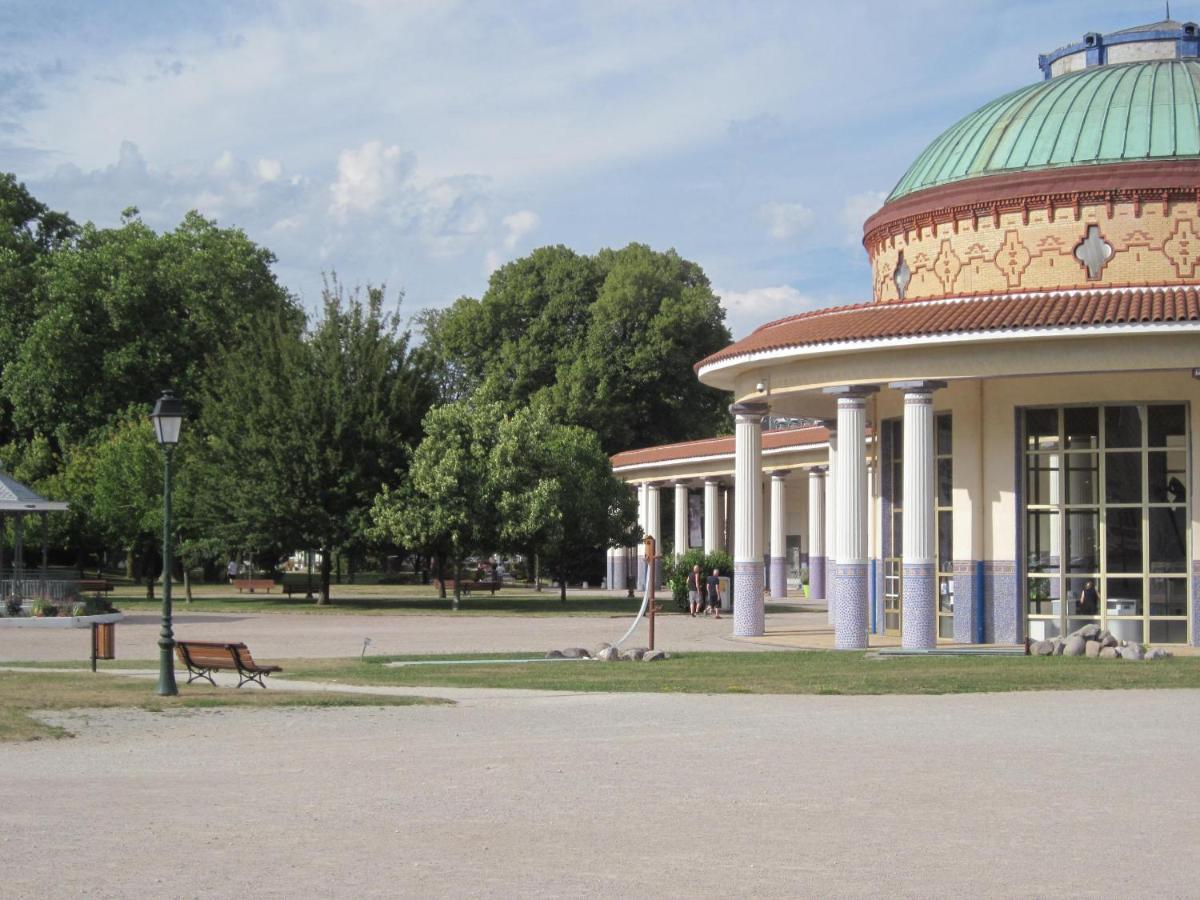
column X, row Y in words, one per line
column 304, row 429
column 606, row 342
column 557, row 496
column 447, row 503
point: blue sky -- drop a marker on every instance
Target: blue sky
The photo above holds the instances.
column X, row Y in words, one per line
column 423, row 143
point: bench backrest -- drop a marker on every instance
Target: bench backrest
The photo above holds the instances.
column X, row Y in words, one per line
column 203, row 654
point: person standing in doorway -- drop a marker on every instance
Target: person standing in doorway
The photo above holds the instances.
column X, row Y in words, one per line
column 714, row 593
column 1088, row 603
column 695, row 589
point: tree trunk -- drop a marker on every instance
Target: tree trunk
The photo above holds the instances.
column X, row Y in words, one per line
column 326, row 572
column 129, row 563
column 187, row 584
column 350, row 569
column 457, row 582
column 441, row 576
column 537, row 573
column 79, row 560
column 562, row 588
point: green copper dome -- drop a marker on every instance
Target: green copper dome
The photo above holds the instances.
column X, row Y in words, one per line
column 1106, row 114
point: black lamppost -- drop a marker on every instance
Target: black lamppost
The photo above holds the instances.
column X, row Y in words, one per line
column 167, row 418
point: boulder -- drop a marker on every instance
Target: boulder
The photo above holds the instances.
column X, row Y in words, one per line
column 1060, row 646
column 1074, row 646
column 1042, row 648
column 1088, row 632
column 1108, row 653
column 1132, row 651
column 633, row 653
column 608, row 654
column 1092, row 649
column 1106, row 639
column 1158, row 653
column 655, row 655
column 576, row 653
column 554, row 654
column 600, row 648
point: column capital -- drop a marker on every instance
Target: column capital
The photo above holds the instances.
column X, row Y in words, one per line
column 917, row 387
column 780, row 473
column 818, row 471
column 715, row 482
column 753, row 410
column 851, row 391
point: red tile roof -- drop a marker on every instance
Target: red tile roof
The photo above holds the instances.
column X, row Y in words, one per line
column 876, row 321
column 720, row 446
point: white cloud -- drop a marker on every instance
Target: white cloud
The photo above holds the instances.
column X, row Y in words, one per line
column 857, row 210
column 269, row 169
column 365, row 177
column 746, row 310
column 518, row 225
column 785, row 220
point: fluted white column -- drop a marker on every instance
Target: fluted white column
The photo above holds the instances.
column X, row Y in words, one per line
column 654, row 529
column 712, row 496
column 816, row 533
column 643, row 490
column 731, row 517
column 831, row 524
column 748, row 618
column 778, row 551
column 608, row 567
column 620, row 576
column 681, row 519
column 918, row 618
column 850, row 571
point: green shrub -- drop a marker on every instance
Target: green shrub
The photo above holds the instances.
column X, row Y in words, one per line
column 43, row 609
column 676, row 571
column 12, row 606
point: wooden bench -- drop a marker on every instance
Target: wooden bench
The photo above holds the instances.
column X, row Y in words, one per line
column 298, row 584
column 253, row 584
column 468, row 586
column 202, row 658
column 94, row 586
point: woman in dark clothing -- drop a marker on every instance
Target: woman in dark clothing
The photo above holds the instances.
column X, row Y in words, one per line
column 1088, row 603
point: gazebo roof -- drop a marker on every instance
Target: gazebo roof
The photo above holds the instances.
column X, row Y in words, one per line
column 20, row 498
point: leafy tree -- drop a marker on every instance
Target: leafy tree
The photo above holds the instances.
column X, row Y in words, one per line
column 303, row 428
column 606, row 342
column 556, row 494
column 122, row 313
column 447, row 505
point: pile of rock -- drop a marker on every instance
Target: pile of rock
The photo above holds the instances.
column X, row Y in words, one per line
column 1096, row 642
column 609, row 653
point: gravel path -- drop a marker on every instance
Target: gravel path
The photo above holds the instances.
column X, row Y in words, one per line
column 282, row 635
column 583, row 795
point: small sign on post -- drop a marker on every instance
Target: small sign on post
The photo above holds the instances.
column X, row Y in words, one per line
column 104, row 641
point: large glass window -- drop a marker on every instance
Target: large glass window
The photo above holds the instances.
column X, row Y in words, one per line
column 1105, row 519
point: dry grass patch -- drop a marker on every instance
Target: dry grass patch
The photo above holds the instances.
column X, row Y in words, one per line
column 22, row 694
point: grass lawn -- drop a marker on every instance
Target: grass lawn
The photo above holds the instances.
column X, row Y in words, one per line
column 799, row 672
column 21, row 693
column 391, row 600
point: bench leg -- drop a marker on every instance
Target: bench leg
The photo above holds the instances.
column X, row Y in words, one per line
column 256, row 677
column 194, row 674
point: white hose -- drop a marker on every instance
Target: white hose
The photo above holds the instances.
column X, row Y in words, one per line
column 642, row 611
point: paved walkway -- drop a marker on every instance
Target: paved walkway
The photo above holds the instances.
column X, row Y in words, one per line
column 604, row 795
column 315, row 635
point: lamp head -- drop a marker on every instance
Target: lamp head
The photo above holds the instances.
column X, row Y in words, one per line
column 167, row 418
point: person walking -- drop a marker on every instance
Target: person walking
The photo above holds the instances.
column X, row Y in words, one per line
column 232, row 570
column 695, row 589
column 714, row 593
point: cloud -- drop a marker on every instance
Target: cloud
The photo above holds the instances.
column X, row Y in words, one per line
column 366, row 177
column 269, row 169
column 517, row 225
column 857, row 210
column 746, row 310
column 785, row 220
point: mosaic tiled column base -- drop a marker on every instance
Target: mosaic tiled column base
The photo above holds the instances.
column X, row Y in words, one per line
column 620, row 577
column 816, row 578
column 1002, row 603
column 919, row 618
column 641, row 574
column 779, row 590
column 748, row 618
column 850, row 592
column 1195, row 641
column 965, row 593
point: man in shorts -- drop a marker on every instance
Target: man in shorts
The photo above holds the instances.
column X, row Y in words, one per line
column 714, row 593
column 695, row 589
